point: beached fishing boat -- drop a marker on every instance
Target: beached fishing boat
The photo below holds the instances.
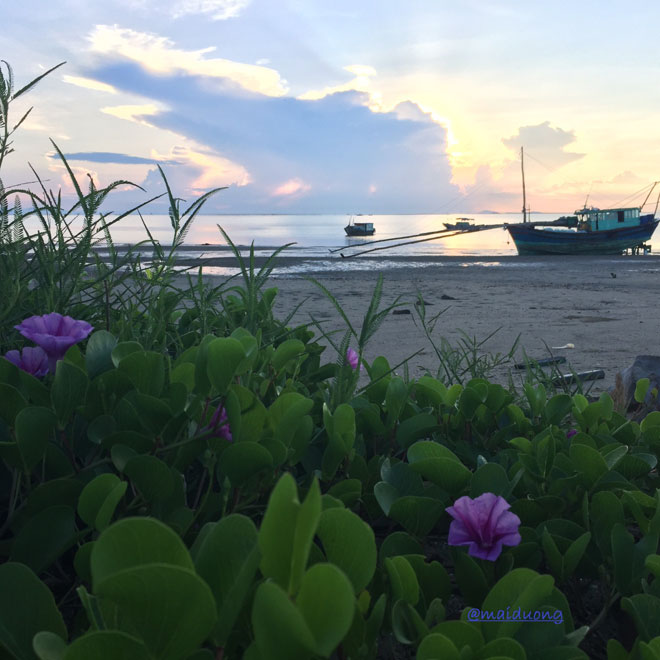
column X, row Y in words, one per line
column 588, row 231
column 359, row 228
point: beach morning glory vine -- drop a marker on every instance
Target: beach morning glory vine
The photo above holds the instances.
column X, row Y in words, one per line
column 32, row 359
column 54, row 333
column 484, row 524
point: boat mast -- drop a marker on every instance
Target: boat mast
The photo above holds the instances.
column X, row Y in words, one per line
column 522, row 167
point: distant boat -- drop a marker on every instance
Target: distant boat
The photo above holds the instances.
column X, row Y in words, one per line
column 460, row 224
column 359, row 228
column 588, row 231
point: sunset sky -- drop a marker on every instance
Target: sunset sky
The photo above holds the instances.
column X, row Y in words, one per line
column 348, row 106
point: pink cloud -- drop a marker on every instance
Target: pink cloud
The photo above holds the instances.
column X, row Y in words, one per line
column 291, row 187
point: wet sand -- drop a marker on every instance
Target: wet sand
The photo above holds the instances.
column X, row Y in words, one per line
column 606, row 306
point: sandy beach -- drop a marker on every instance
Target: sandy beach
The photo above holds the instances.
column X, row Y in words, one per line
column 607, row 307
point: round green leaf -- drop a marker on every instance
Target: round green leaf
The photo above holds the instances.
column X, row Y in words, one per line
column 227, row 559
column 27, row 607
column 11, row 403
column 224, row 354
column 243, row 460
column 152, row 477
column 280, row 630
column 94, row 494
column 349, row 543
column 437, row 647
column 98, row 356
column 134, row 542
column 107, row 645
column 327, row 604
column 45, row 537
column 34, row 426
column 171, row 608
column 287, row 350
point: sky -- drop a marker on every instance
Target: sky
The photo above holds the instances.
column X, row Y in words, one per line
column 342, row 106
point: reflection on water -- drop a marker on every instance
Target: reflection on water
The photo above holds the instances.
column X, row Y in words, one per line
column 319, row 240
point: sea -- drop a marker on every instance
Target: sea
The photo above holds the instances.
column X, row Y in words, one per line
column 316, row 242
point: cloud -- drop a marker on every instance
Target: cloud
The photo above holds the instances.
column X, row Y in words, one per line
column 159, row 55
column 88, row 83
column 136, row 113
column 218, row 10
column 291, row 187
column 361, row 82
column 544, row 144
column 329, row 155
column 109, row 157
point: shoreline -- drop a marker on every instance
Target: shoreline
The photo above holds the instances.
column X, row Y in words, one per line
column 605, row 306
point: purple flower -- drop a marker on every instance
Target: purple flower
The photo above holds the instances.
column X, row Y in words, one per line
column 571, row 433
column 484, row 524
column 31, row 359
column 55, row 333
column 352, row 358
column 219, row 425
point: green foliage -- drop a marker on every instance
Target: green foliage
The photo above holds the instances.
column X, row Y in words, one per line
column 198, row 482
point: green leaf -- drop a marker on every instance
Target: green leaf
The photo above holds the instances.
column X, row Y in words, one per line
column 645, row 611
column 93, row 498
column 490, row 478
column 169, row 607
column 151, row 476
column 417, row 514
column 27, row 607
column 68, row 391
column 307, row 522
column 98, row 355
column 403, row 580
column 34, row 427
column 278, row 529
column 470, row 578
column 557, row 408
column 45, row 537
column 349, row 543
column 396, row 396
column 48, row 646
column 468, row 402
column 327, row 604
column 135, row 542
column 145, row 369
column 437, row 647
column 521, row 588
column 11, row 403
column 242, row 460
column 641, row 388
column 123, row 349
column 227, row 559
column 280, row 630
column 224, row 354
column 588, row 462
column 289, row 349
column 606, row 511
column 575, row 553
column 107, row 645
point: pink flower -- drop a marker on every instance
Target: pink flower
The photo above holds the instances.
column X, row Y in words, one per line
column 571, row 433
column 219, row 425
column 31, row 359
column 55, row 333
column 484, row 524
column 352, row 358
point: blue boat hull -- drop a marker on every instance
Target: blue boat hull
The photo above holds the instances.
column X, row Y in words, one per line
column 531, row 240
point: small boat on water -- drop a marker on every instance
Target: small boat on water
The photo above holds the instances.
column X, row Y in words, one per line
column 588, row 231
column 460, row 224
column 359, row 228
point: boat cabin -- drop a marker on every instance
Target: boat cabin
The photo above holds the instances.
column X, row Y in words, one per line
column 593, row 219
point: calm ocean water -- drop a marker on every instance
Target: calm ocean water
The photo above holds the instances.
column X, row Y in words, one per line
column 315, row 236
